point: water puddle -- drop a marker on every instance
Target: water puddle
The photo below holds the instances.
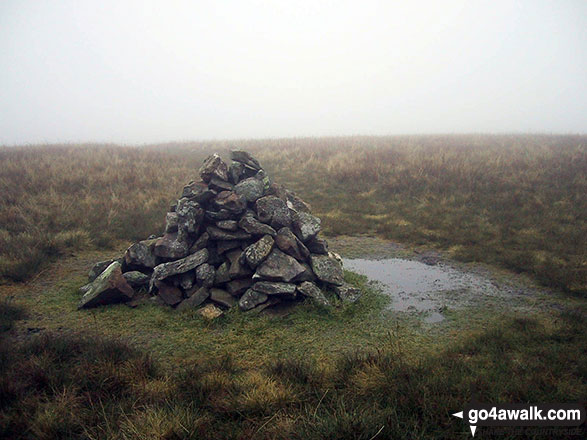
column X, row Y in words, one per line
column 421, row 288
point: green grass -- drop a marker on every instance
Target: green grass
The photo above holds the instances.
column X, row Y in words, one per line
column 251, row 377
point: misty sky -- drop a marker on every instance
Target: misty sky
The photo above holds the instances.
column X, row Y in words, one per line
column 146, row 71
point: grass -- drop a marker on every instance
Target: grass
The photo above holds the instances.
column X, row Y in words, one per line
column 356, row 371
column 86, row 384
column 513, row 201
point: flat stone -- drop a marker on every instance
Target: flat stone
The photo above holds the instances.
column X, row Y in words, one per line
column 205, row 274
column 200, row 243
column 251, row 299
column 228, row 225
column 235, row 171
column 287, row 241
column 274, row 288
column 238, row 287
column 327, row 269
column 279, row 267
column 136, row 279
column 188, row 263
column 238, row 269
column 196, row 296
column 170, row 295
column 256, row 253
column 273, row 211
column 250, row 189
column 230, row 201
column 222, row 276
column 109, row 287
column 222, row 297
column 223, row 246
column 98, row 268
column 312, row 291
column 347, row 293
column 305, row 225
column 317, row 246
column 141, row 255
column 297, row 204
column 215, row 215
column 171, row 246
column 245, row 158
column 213, row 166
column 198, row 192
column 306, row 275
column 219, row 185
column 253, row 226
column 220, row 234
column 210, row 311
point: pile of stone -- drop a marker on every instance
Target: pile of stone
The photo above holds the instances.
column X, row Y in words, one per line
column 233, row 238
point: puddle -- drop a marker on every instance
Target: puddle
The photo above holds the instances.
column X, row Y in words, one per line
column 420, row 288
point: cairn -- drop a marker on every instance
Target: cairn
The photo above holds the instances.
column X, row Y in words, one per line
column 233, row 238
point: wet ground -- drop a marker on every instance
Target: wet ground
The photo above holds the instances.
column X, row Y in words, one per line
column 427, row 284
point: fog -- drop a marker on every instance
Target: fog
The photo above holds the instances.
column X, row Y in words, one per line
column 144, row 71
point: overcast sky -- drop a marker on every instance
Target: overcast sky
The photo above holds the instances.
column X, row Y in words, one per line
column 146, row 71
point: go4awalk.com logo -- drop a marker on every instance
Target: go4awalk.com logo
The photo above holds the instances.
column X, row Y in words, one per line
column 521, row 414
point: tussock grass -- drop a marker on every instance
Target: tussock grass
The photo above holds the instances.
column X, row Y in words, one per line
column 514, row 201
column 87, row 385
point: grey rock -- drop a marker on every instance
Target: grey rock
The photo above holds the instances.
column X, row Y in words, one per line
column 136, row 279
column 220, row 234
column 141, row 255
column 273, row 211
column 245, row 158
column 190, row 216
column 296, row 204
column 187, row 279
column 213, row 166
column 108, row 288
column 305, row 225
column 219, row 185
column 256, row 253
column 205, row 274
column 250, row 189
column 278, row 267
column 274, row 288
column 312, row 291
column 198, row 192
column 230, row 201
column 222, row 276
column 170, row 295
column 251, row 299
column 221, row 214
column 222, row 297
column 327, row 269
column 347, row 293
column 235, row 171
column 225, row 245
column 200, row 243
column 253, row 226
column 306, row 275
column 98, row 268
column 228, row 225
column 291, row 245
column 195, row 297
column 238, row 268
column 317, row 246
column 171, row 222
column 171, row 246
column 183, row 265
column 238, row 287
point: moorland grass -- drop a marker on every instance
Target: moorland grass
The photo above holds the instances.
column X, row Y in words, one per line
column 89, row 385
column 514, row 201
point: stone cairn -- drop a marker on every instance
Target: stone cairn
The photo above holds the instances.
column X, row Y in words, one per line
column 233, row 238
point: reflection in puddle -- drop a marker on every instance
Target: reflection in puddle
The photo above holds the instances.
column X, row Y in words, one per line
column 415, row 286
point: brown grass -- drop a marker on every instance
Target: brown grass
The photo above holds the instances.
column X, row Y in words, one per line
column 515, row 201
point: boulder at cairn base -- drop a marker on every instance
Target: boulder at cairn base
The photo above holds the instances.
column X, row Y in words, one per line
column 233, row 238
column 109, row 287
